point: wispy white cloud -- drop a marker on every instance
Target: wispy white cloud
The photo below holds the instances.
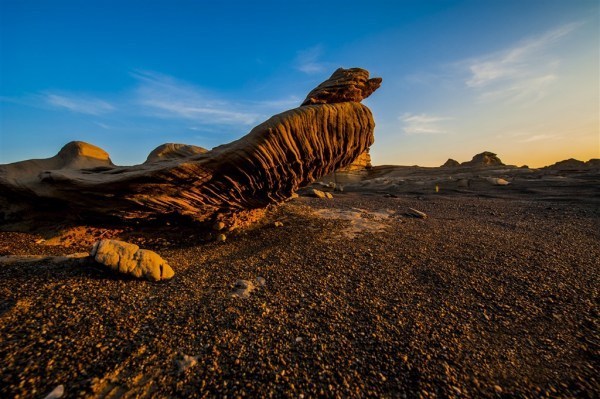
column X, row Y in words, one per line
column 423, row 124
column 522, row 73
column 75, row 103
column 308, row 60
column 175, row 98
column 538, row 137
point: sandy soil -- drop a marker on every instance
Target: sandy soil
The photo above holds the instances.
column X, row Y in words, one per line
column 494, row 294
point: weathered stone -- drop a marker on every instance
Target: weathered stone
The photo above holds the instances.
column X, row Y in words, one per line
column 344, row 85
column 129, row 259
column 267, row 166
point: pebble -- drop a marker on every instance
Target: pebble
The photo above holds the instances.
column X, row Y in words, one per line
column 56, row 393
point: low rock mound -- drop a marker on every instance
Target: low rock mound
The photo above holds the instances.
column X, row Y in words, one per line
column 125, row 258
column 574, row 164
column 174, row 151
column 450, row 163
column 74, row 155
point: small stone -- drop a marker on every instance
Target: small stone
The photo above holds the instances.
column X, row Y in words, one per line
column 318, row 193
column 298, row 339
column 221, row 238
column 218, row 226
column 56, row 393
column 261, row 281
column 329, row 195
column 243, row 289
column 186, row 362
column 498, row 388
column 496, row 181
column 416, row 213
column 278, row 224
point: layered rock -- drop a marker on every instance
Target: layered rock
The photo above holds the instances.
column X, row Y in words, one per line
column 345, row 85
column 264, row 167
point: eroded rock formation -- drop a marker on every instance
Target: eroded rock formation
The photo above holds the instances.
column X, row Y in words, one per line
column 485, row 158
column 266, row 166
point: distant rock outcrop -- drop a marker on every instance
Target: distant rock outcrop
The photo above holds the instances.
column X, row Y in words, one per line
column 484, row 159
column 450, row 163
column 74, row 155
column 174, row 151
column 574, row 164
column 267, row 166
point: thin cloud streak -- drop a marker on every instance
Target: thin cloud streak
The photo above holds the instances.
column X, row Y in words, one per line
column 423, row 124
column 522, row 74
column 514, row 62
column 83, row 105
column 177, row 99
column 307, row 60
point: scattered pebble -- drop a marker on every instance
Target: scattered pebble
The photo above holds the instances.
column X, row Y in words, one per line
column 221, row 238
column 416, row 213
column 56, row 393
column 186, row 362
column 318, row 193
column 218, row 226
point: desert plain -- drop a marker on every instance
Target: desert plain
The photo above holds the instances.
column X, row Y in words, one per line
column 492, row 293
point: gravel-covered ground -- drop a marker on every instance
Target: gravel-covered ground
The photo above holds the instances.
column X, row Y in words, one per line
column 487, row 297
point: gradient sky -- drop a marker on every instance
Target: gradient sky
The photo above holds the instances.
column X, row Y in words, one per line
column 519, row 78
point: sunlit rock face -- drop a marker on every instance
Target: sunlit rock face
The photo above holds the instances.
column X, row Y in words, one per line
column 328, row 132
column 174, row 151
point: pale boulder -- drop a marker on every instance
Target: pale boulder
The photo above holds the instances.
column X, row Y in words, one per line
column 125, row 258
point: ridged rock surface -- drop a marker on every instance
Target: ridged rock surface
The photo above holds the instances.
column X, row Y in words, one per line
column 266, row 166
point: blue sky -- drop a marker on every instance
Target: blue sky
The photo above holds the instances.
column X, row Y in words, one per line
column 519, row 78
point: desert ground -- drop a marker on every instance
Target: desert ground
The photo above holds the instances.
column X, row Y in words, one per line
column 493, row 294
